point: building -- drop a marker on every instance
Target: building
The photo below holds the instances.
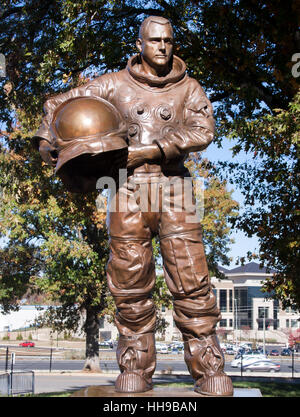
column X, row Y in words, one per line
column 246, row 310
column 22, row 318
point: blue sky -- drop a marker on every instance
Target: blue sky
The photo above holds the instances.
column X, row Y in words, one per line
column 242, row 244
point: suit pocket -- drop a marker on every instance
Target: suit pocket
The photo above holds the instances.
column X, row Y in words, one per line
column 185, row 263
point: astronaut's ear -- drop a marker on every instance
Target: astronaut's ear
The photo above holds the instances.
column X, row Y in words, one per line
column 139, row 44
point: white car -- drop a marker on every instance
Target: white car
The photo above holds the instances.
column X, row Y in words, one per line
column 164, row 349
column 161, row 348
column 262, row 366
column 236, row 363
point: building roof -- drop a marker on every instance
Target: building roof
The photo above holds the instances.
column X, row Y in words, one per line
column 224, row 270
column 251, row 267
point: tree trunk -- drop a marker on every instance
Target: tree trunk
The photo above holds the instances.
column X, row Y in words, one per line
column 92, row 341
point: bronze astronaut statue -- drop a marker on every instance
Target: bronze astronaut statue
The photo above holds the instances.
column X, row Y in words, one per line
column 166, row 115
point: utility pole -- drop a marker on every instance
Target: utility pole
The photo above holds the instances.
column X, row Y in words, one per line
column 235, row 320
column 264, row 324
column 12, row 362
column 50, row 366
column 6, row 360
column 293, row 362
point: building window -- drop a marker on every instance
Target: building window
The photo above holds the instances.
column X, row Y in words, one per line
column 242, row 308
column 230, row 322
column 241, row 296
column 275, row 314
column 287, row 323
column 163, row 309
column 294, row 323
column 101, row 323
column 105, row 336
column 263, row 315
column 223, row 300
column 223, row 323
column 230, row 300
column 263, row 312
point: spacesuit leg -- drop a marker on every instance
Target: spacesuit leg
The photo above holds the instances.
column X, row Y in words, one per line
column 195, row 310
column 131, row 277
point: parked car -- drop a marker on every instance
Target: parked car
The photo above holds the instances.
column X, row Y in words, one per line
column 164, row 349
column 176, row 344
column 106, row 345
column 250, row 354
column 286, row 352
column 176, row 350
column 254, row 351
column 274, row 352
column 247, row 346
column 161, row 347
column 27, row 344
column 240, row 351
column 223, row 347
column 230, row 351
column 236, row 363
column 261, row 366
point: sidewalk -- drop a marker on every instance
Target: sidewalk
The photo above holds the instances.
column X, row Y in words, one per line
column 72, row 381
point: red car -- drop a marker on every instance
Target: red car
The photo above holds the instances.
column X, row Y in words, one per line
column 274, row 352
column 27, row 344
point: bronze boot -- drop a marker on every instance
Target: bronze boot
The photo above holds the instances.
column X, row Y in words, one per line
column 205, row 362
column 137, row 361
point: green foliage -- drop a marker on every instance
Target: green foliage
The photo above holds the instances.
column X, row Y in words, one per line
column 216, row 207
column 272, row 179
column 240, row 51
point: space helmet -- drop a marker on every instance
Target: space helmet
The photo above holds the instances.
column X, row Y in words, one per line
column 88, row 134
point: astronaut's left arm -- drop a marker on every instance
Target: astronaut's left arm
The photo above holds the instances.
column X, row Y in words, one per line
column 43, row 140
column 197, row 129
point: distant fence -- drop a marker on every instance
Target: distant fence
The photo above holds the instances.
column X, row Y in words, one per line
column 16, row 383
column 32, row 352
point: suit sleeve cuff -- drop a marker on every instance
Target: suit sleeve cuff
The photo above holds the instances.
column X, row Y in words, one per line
column 169, row 152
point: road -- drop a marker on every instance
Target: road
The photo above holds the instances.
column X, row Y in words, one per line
column 169, row 366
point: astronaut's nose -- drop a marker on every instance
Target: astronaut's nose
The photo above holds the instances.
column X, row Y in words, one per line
column 162, row 46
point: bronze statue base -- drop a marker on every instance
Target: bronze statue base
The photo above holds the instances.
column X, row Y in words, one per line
column 166, row 392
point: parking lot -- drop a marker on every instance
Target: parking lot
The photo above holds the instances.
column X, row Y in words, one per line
column 170, row 359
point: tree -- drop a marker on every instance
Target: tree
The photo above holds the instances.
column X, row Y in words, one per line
column 56, row 244
column 48, row 45
column 294, row 339
column 248, row 68
column 273, row 180
column 216, row 207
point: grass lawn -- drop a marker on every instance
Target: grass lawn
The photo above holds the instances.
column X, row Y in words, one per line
column 268, row 389
column 272, row 389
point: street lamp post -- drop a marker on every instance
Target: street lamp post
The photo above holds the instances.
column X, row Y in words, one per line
column 235, row 320
column 293, row 362
column 264, row 327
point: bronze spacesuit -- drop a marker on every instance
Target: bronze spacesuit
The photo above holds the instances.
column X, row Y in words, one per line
column 173, row 112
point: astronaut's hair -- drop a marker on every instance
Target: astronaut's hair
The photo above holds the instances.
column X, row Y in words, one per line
column 153, row 19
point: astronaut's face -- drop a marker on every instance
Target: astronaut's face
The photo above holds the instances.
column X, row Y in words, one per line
column 156, row 46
